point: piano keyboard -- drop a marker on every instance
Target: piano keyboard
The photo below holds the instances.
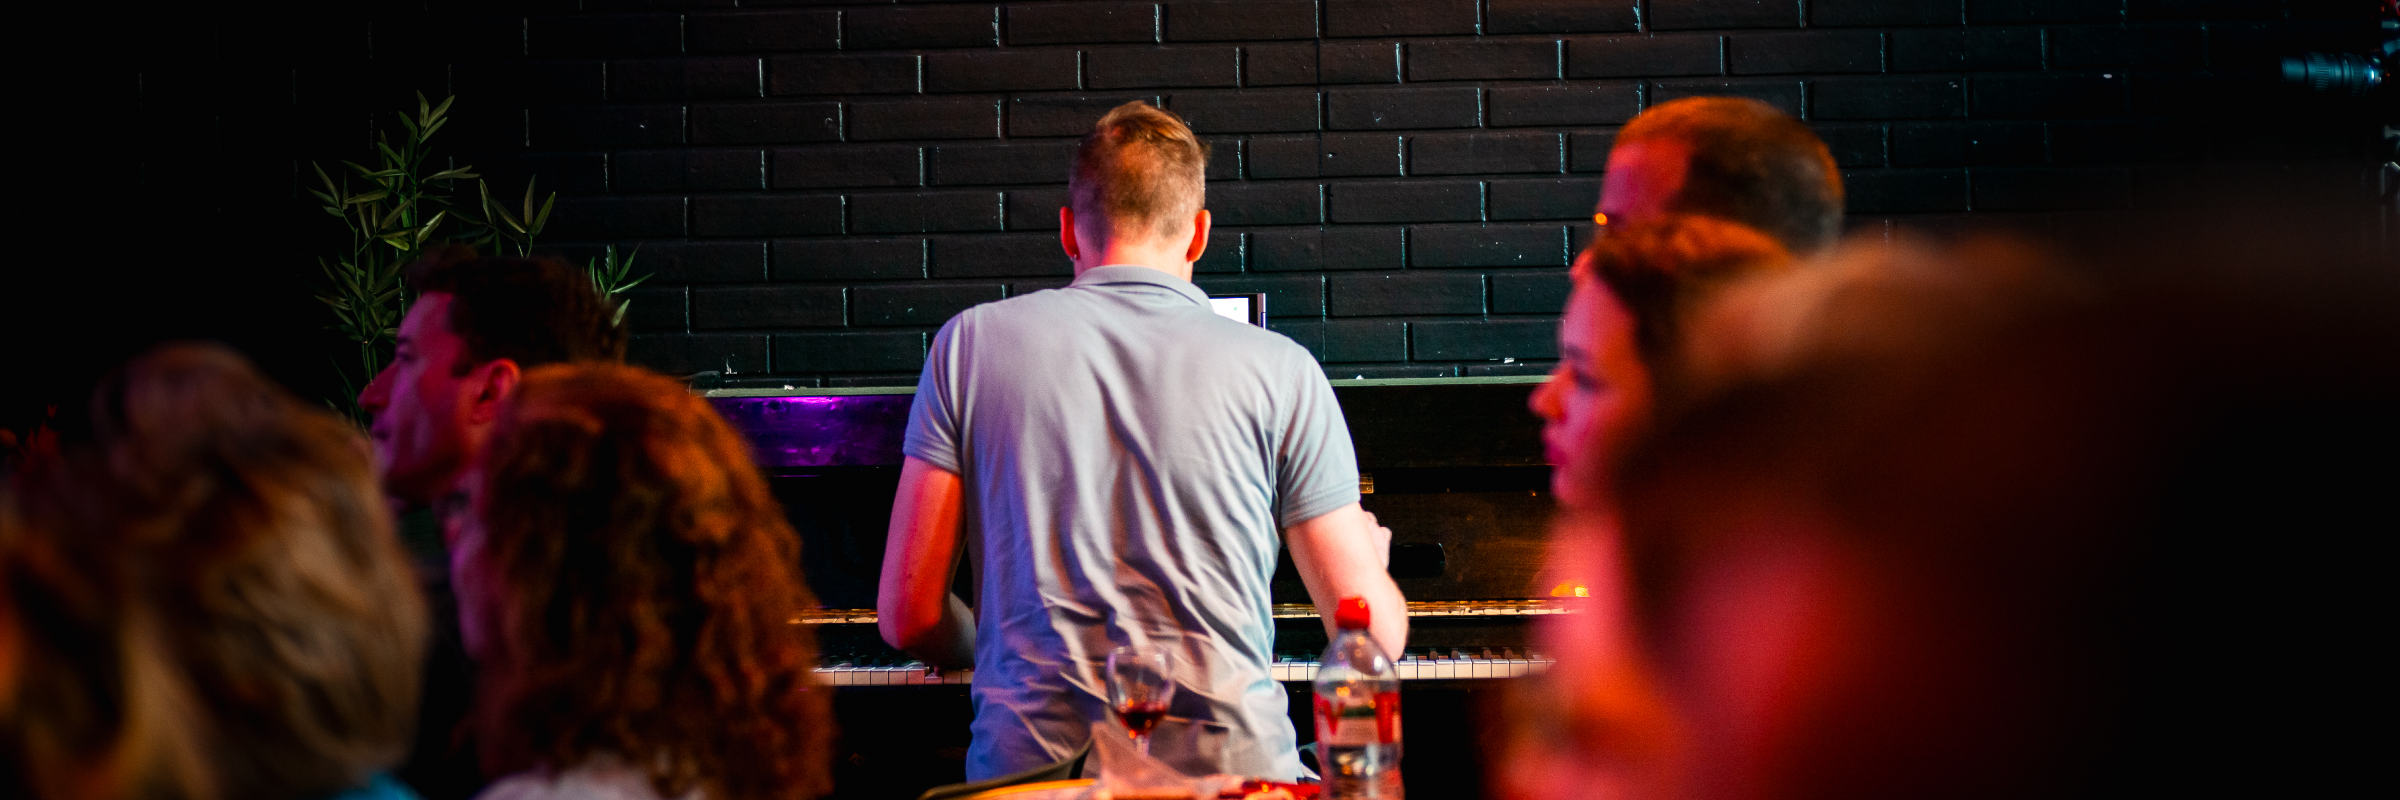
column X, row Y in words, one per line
column 1436, row 608
column 1412, row 667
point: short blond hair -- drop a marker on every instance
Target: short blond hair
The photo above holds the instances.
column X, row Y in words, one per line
column 1141, row 170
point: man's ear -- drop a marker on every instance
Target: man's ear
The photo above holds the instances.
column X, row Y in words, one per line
column 1199, row 243
column 1066, row 233
column 489, row 387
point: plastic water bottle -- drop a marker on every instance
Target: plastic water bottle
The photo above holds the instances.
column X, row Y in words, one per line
column 1358, row 711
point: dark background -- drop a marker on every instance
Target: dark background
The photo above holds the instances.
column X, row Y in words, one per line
column 817, row 186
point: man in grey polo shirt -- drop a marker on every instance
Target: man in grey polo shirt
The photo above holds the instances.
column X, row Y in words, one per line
column 1117, row 460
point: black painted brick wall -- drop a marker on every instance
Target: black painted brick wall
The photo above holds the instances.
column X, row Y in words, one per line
column 816, row 189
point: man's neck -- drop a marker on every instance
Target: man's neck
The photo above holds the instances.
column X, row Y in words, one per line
column 1154, row 253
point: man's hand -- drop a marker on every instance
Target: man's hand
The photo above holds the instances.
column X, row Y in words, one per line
column 914, row 608
column 1345, row 553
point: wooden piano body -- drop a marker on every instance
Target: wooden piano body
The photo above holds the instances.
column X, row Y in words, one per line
column 1453, row 466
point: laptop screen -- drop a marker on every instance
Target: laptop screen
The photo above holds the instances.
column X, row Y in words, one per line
column 1248, row 309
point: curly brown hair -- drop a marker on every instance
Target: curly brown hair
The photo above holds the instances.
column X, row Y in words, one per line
column 651, row 596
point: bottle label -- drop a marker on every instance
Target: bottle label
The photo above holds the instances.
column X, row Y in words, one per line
column 1359, row 724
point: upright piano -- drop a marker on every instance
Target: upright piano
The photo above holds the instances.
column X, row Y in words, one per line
column 1454, row 466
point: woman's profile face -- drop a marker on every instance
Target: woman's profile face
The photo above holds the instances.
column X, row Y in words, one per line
column 1597, row 396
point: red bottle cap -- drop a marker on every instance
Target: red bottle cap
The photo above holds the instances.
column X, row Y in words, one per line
column 1351, row 613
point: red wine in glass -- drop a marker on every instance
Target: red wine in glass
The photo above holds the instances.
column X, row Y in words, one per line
column 1140, row 718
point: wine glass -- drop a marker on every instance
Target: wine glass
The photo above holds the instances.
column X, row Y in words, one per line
column 1138, row 689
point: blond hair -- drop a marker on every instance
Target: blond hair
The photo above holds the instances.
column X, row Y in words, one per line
column 1141, row 172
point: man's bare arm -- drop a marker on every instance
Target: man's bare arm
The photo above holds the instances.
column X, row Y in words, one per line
column 1345, row 553
column 914, row 607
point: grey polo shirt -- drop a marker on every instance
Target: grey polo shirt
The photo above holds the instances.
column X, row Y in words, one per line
column 1129, row 459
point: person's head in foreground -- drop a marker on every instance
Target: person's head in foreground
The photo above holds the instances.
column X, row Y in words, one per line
column 1958, row 529
column 477, row 325
column 1726, row 157
column 632, row 596
column 205, row 600
column 1135, row 193
column 1636, row 288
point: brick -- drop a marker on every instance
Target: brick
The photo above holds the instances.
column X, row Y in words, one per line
column 1588, row 151
column 1247, row 112
column 686, row 170
column 1223, row 254
column 2202, row 10
column 1393, row 294
column 661, row 309
column 1531, row 292
column 762, row 31
column 1853, row 145
column 1805, row 51
column 1482, row 60
column 878, row 306
column 1948, row 144
column 1988, row 12
column 1309, row 334
column 1000, row 256
column 1287, row 295
column 848, row 259
column 1279, row 65
column 615, row 218
column 766, row 123
column 1559, row 16
column 429, row 38
column 1224, row 154
column 1341, row 248
column 688, row 354
column 1145, row 67
column 1291, row 157
column 1347, row 62
column 769, row 215
column 1542, row 199
column 1687, row 14
column 1412, row 201
column 1353, row 18
column 935, row 26
column 1241, row 21
column 849, row 352
column 2078, row 142
column 1889, row 98
column 1886, row 191
column 2220, row 96
column 2170, row 47
column 849, row 165
column 1487, row 246
column 2051, row 189
column 1483, row 340
column 1784, row 95
column 1954, row 50
column 1610, row 104
column 2047, row 95
column 680, row 78
column 1356, row 155
column 1839, row 13
column 1365, row 340
column 605, row 126
column 1264, row 203
column 1644, row 56
column 536, row 83
column 573, row 173
column 605, row 36
column 1013, row 162
column 766, row 307
column 701, row 262
column 1079, row 23
column 848, row 73
column 1474, row 153
column 1033, row 209
column 1061, row 116
column 925, row 119
column 1369, row 109
column 925, row 212
column 1001, row 70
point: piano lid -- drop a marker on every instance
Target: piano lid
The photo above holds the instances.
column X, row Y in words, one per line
column 1394, row 423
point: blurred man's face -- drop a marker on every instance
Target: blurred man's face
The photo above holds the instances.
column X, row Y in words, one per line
column 419, row 406
column 1597, row 397
column 480, row 617
column 1643, row 179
